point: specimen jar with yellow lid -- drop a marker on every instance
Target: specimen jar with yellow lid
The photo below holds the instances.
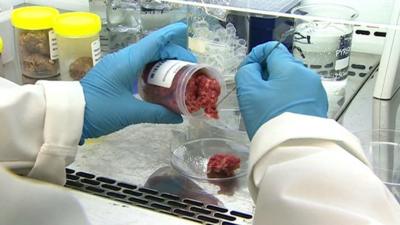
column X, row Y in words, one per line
column 36, row 42
column 78, row 43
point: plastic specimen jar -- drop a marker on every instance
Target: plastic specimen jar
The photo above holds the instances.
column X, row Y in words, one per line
column 186, row 88
column 78, row 43
column 36, row 43
column 322, row 45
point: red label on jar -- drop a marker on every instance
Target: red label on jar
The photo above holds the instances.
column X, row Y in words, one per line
column 162, row 74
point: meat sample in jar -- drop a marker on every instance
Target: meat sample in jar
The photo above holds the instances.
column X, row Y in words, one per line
column 35, row 41
column 79, row 67
column 182, row 87
column 39, row 65
column 35, row 54
column 202, row 93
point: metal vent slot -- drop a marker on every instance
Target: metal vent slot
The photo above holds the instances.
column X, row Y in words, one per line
column 160, row 206
column 170, row 196
column 154, row 198
column 363, row 74
column 228, row 223
column 240, row 214
column 87, row 175
column 91, row 182
column 106, row 180
column 130, row 192
column 138, row 200
column 200, row 210
column 216, row 208
column 177, row 204
column 184, row 212
column 208, row 219
column 358, row 66
column 73, row 184
column 225, row 217
column 151, row 199
column 351, row 73
column 110, row 187
column 94, row 189
column 193, row 202
column 380, row 34
column 363, row 32
column 148, row 191
column 330, row 65
column 129, row 186
column 72, row 177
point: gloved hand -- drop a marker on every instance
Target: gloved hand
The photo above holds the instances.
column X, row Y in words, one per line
column 270, row 86
column 110, row 105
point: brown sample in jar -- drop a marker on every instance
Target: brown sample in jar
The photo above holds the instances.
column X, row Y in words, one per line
column 35, row 58
column 39, row 65
column 35, row 42
column 79, row 67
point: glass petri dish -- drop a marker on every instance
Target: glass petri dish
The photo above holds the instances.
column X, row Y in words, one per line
column 191, row 158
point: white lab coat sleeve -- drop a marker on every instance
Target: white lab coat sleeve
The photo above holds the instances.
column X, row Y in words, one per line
column 41, row 127
column 306, row 170
column 29, row 202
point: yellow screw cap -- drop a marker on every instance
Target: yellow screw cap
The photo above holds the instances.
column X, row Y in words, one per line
column 1, row 45
column 34, row 17
column 77, row 24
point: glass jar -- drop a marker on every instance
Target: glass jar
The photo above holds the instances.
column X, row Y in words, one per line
column 78, row 43
column 325, row 47
column 186, row 88
column 36, row 43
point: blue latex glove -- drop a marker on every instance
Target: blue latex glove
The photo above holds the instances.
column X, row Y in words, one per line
column 270, row 86
column 108, row 87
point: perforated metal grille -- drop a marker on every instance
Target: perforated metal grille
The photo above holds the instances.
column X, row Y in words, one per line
column 152, row 199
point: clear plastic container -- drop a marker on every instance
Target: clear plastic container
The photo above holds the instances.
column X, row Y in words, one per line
column 192, row 157
column 35, row 40
column 381, row 146
column 78, row 43
column 192, row 160
column 218, row 43
column 187, row 88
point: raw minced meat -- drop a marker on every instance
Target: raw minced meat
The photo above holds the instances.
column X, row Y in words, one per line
column 222, row 165
column 202, row 92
